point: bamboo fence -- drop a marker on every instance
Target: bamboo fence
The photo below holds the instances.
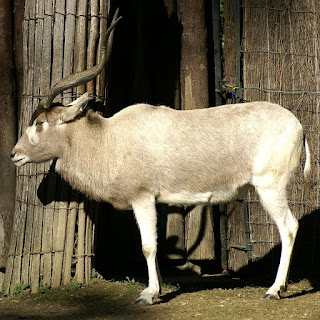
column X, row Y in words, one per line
column 53, row 234
column 280, row 52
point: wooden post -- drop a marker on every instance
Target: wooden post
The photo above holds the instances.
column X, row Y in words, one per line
column 195, row 94
column 194, row 65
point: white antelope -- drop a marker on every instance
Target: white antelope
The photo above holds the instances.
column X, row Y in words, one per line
column 145, row 155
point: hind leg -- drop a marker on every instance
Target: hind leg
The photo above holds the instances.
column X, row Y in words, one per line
column 275, row 203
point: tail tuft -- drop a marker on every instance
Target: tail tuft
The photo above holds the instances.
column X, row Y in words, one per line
column 307, row 165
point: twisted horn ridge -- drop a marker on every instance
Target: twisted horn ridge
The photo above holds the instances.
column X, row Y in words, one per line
column 85, row 76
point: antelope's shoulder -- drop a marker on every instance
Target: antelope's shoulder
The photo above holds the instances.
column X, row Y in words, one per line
column 141, row 109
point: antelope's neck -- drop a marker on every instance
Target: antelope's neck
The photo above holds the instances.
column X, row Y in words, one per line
column 85, row 162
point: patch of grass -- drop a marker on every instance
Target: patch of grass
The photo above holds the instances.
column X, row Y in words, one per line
column 96, row 275
column 3, row 292
column 75, row 286
column 21, row 289
column 43, row 288
column 132, row 281
column 169, row 286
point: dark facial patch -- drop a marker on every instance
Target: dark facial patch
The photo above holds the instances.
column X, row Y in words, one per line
column 39, row 127
column 41, row 110
column 36, row 114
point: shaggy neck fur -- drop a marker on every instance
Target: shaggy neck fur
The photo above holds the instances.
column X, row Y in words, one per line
column 86, row 137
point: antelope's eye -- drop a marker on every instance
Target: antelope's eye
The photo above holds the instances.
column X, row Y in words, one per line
column 39, row 123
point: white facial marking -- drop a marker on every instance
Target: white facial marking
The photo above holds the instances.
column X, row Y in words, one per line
column 45, row 126
column 32, row 135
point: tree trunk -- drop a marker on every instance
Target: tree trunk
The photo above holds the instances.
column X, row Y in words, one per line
column 7, row 127
column 194, row 94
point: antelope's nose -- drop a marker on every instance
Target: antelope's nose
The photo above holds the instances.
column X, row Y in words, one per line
column 13, row 153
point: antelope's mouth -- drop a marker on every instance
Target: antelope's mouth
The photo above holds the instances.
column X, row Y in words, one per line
column 19, row 160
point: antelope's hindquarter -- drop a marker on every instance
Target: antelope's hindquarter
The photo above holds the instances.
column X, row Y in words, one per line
column 279, row 149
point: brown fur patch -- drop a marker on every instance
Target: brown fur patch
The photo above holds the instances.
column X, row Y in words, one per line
column 36, row 114
column 94, row 118
column 41, row 110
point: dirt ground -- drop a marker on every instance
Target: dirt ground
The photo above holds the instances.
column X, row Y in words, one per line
column 209, row 297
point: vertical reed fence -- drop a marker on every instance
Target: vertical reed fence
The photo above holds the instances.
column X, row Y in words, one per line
column 280, row 56
column 53, row 235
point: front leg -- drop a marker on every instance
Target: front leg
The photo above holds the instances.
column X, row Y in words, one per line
column 145, row 212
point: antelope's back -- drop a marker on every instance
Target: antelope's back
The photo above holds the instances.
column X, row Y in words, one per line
column 205, row 148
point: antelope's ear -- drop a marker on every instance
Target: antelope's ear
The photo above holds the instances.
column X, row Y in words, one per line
column 72, row 110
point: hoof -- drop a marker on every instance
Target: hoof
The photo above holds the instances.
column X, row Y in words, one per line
column 143, row 302
column 271, row 297
column 283, row 288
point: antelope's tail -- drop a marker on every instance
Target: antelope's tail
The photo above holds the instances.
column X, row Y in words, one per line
column 307, row 165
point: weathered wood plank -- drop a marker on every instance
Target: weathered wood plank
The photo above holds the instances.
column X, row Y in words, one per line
column 37, row 170
column 70, row 238
column 60, row 235
column 46, row 259
column 89, row 236
column 81, row 244
column 69, row 42
column 81, row 41
column 92, row 41
column 101, row 82
column 58, row 36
